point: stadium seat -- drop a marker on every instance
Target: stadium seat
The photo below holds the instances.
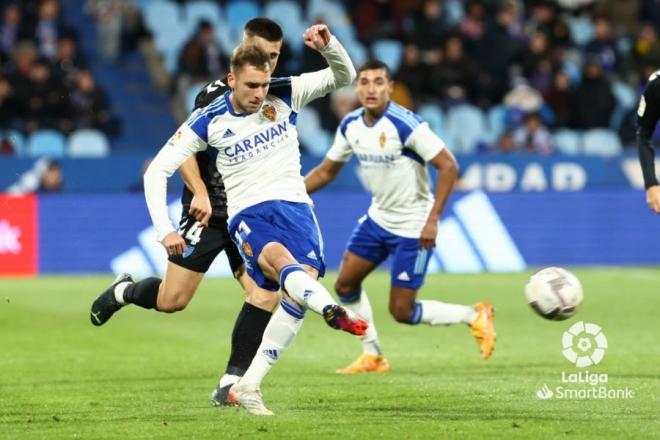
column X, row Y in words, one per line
column 199, row 10
column 314, row 138
column 568, row 141
column 496, row 118
column 332, row 12
column 388, row 51
column 581, row 30
column 46, row 143
column 237, row 13
column 625, row 95
column 88, row 143
column 289, row 12
column 163, row 15
column 17, row 141
column 602, row 142
column 433, row 115
column 356, row 51
column 466, row 127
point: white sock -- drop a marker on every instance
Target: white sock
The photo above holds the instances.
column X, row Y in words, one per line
column 304, row 289
column 362, row 308
column 119, row 292
column 228, row 379
column 439, row 313
column 278, row 336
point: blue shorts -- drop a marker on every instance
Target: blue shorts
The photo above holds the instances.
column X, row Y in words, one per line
column 291, row 224
column 375, row 244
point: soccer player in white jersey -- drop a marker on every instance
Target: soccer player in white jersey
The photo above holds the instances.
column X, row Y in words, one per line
column 252, row 131
column 393, row 146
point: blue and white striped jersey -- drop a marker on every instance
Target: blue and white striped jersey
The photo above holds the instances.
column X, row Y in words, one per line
column 257, row 154
column 392, row 154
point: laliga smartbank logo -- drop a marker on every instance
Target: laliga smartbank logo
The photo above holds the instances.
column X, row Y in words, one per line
column 584, row 345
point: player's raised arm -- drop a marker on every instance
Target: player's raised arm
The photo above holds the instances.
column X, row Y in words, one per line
column 180, row 147
column 648, row 114
column 432, row 149
column 310, row 86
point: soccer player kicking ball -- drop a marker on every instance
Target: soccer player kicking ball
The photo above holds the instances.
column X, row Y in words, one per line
column 648, row 114
column 393, row 146
column 252, row 132
column 203, row 233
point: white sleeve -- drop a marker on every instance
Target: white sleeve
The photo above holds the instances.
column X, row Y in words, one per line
column 424, row 142
column 341, row 150
column 310, row 86
column 180, row 147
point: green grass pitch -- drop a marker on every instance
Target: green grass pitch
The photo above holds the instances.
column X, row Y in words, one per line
column 149, row 375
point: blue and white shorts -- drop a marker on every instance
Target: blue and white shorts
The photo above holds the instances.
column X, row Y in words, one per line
column 375, row 244
column 289, row 223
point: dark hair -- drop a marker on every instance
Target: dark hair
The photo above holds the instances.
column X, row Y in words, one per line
column 249, row 55
column 264, row 28
column 375, row 64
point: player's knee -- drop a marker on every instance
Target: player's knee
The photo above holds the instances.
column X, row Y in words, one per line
column 401, row 312
column 173, row 302
column 347, row 292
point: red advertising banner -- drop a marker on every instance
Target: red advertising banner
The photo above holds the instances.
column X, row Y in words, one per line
column 18, row 235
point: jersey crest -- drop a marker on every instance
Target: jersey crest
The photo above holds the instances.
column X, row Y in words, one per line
column 269, row 112
column 382, row 139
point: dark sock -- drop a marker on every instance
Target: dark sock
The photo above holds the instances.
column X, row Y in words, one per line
column 246, row 337
column 143, row 293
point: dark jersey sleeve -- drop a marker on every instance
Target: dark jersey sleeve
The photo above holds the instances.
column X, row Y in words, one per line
column 210, row 92
column 648, row 114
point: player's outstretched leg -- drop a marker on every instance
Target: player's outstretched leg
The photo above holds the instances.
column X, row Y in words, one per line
column 307, row 291
column 483, row 328
column 106, row 303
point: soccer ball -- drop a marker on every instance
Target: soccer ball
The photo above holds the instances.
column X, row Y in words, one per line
column 554, row 293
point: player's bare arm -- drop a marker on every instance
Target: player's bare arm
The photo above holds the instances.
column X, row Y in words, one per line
column 200, row 205
column 447, row 167
column 322, row 175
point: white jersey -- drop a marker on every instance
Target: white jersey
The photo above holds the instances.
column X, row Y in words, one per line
column 257, row 154
column 392, row 153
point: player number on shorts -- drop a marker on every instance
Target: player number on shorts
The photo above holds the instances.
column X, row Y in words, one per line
column 194, row 233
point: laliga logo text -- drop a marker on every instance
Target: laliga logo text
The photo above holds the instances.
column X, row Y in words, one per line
column 584, row 345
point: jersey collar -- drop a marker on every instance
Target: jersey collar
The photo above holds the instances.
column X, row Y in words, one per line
column 230, row 107
column 364, row 121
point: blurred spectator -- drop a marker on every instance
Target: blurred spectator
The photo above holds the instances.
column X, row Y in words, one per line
column 91, row 105
column 52, row 179
column 536, row 63
column 495, row 52
column 532, row 136
column 49, row 28
column 11, row 30
column 544, row 18
column 342, row 102
column 602, row 46
column 474, row 23
column 68, row 60
column 47, row 103
column 378, row 19
column 201, row 57
column 133, row 28
column 427, row 29
column 560, row 99
column 594, row 101
column 109, row 20
column 413, row 72
column 455, row 78
column 646, row 52
column 7, row 107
